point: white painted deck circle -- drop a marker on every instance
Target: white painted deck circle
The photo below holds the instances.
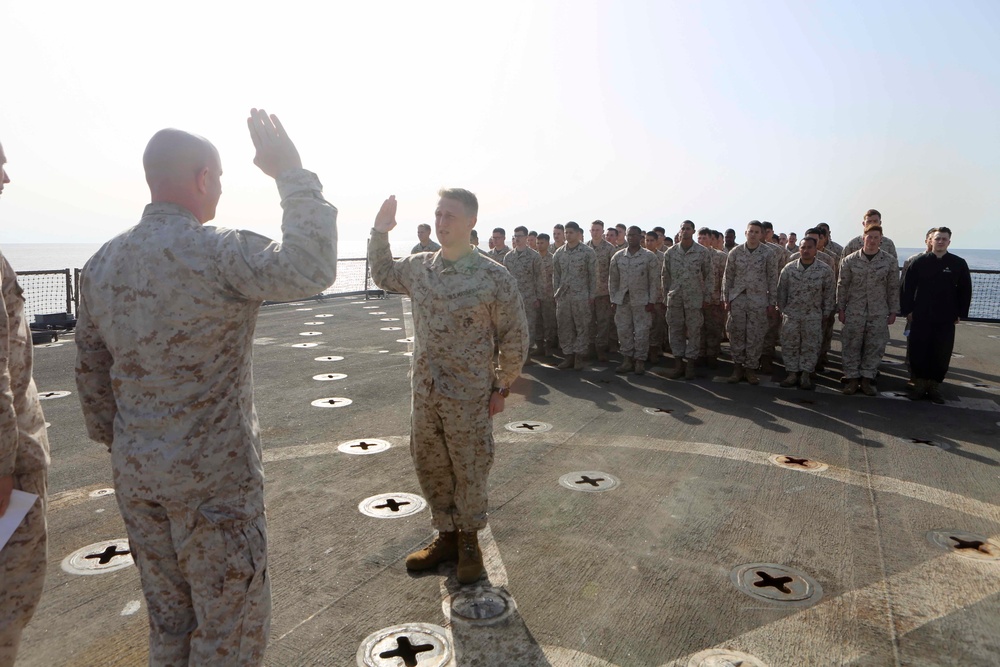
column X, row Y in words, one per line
column 46, row 395
column 528, row 426
column 330, row 357
column 364, row 446
column 100, row 493
column 331, row 402
column 723, row 657
column 596, row 481
column 305, row 344
column 327, row 377
column 418, row 634
column 311, row 333
column 79, row 563
column 381, row 506
column 481, row 605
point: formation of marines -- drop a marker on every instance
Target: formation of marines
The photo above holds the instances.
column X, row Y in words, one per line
column 164, row 366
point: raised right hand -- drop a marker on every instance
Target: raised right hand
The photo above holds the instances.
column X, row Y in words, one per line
column 386, row 218
column 275, row 151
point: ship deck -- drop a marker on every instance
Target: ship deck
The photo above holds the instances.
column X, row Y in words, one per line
column 638, row 575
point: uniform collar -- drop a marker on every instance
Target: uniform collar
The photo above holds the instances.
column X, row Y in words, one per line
column 466, row 265
column 167, row 208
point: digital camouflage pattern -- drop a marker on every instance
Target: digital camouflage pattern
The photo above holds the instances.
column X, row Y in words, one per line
column 462, row 312
column 164, row 371
column 600, row 314
column 806, row 297
column 715, row 315
column 749, row 286
column 686, row 282
column 24, row 455
column 858, row 242
column 545, row 327
column 574, row 283
column 634, row 282
column 867, row 292
column 526, row 268
column 430, row 247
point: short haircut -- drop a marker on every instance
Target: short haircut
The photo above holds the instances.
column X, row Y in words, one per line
column 873, row 228
column 620, row 226
column 543, row 237
column 660, row 230
column 686, row 223
column 668, row 240
column 474, row 235
column 791, row 234
column 756, row 223
column 872, row 211
column 558, row 225
column 704, row 230
column 635, row 227
column 500, row 230
column 599, row 223
column 730, row 230
column 612, row 230
column 573, row 225
column 520, row 228
column 654, row 234
column 423, row 225
column 531, row 233
column 466, row 198
column 717, row 234
column 823, row 225
column 943, row 230
column 808, row 239
column 815, row 230
column 767, row 225
column 930, row 231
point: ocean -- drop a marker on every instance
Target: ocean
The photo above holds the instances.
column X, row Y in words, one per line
column 53, row 256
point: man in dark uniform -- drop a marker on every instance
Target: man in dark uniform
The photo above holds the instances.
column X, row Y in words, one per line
column 937, row 292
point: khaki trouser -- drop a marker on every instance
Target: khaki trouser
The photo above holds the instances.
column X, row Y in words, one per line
column 801, row 341
column 685, row 322
column 574, row 325
column 600, row 324
column 545, row 325
column 863, row 340
column 746, row 327
column 633, row 323
column 713, row 331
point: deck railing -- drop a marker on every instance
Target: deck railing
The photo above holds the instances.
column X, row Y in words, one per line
column 58, row 291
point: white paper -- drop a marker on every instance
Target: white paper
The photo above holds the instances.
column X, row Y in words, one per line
column 20, row 505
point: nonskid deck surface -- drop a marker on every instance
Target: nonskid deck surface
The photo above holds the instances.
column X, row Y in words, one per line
column 625, row 511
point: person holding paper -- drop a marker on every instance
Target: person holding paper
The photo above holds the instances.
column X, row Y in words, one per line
column 24, row 463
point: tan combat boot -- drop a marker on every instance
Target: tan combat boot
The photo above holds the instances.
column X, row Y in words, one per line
column 678, row 371
column 625, row 366
column 640, row 367
column 738, row 374
column 567, row 362
column 792, row 380
column 443, row 548
column 806, row 382
column 579, row 362
column 751, row 375
column 866, row 387
column 851, row 388
column 470, row 558
column 689, row 369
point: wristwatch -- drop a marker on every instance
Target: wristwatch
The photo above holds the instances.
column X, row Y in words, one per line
column 503, row 391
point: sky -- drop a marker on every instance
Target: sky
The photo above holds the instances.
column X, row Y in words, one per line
column 645, row 113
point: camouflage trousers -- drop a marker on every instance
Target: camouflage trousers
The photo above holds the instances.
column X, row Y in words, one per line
column 684, row 323
column 600, row 322
column 451, row 442
column 772, row 336
column 22, row 568
column 545, row 324
column 863, row 340
column 633, row 323
column 204, row 575
column 746, row 328
column 713, row 330
column 827, row 333
column 573, row 317
column 801, row 341
column 531, row 312
column 658, row 331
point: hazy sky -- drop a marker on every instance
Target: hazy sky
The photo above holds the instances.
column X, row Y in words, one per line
column 637, row 112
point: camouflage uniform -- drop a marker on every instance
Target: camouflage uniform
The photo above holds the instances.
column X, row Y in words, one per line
column 600, row 320
column 715, row 315
column 545, row 328
column 858, row 242
column 780, row 258
column 634, row 282
column 574, row 283
column 658, row 331
column 430, row 247
column 526, row 267
column 686, row 281
column 805, row 297
column 164, row 371
column 24, row 455
column 748, row 288
column 497, row 254
column 867, row 292
column 834, row 249
column 834, row 263
column 462, row 311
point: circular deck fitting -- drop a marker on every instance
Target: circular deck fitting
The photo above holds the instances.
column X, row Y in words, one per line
column 313, row 324
column 311, row 333
column 589, row 480
column 965, row 544
column 327, row 377
column 391, row 329
column 412, row 644
column 392, row 505
column 333, row 402
column 925, row 442
column 482, row 605
column 658, row 411
column 305, row 344
column 325, row 315
column 896, row 395
column 389, row 319
column 408, row 339
column 46, row 395
column 377, row 312
column 100, row 493
column 99, row 558
column 892, row 362
column 777, row 583
column 981, row 385
column 723, row 657
column 528, row 426
column 363, row 446
column 797, row 463
column 330, row 357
